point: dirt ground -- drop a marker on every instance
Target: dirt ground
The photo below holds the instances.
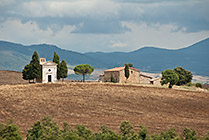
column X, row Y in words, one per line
column 96, row 104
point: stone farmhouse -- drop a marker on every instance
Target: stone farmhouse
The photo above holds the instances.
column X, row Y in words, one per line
column 135, row 76
column 146, row 79
column 48, row 71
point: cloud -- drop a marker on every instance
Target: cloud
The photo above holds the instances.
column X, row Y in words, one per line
column 63, row 8
column 164, row 36
column 118, row 44
column 29, row 32
column 101, row 27
column 91, row 25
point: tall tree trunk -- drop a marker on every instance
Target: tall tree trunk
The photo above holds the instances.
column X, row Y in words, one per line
column 83, row 77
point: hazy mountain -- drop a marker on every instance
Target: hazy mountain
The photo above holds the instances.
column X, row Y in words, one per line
column 150, row 59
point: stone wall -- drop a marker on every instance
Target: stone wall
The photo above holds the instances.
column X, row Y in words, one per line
column 144, row 79
column 133, row 76
column 114, row 74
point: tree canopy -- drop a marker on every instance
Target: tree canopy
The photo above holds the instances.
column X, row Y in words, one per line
column 36, row 67
column 169, row 76
column 184, row 76
column 129, row 64
column 63, row 69
column 83, row 69
column 33, row 70
column 27, row 72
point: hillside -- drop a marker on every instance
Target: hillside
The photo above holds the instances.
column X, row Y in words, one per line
column 149, row 59
column 95, row 104
column 11, row 77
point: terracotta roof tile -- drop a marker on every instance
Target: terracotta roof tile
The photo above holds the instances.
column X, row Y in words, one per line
column 115, row 69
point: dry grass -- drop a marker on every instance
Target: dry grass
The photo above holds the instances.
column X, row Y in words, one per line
column 95, row 104
column 11, row 77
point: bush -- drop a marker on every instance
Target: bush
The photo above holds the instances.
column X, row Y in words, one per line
column 10, row 131
column 189, row 134
column 143, row 133
column 44, row 130
column 126, row 128
column 198, row 85
column 189, row 84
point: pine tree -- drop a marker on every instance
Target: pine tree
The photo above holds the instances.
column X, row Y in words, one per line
column 63, row 70
column 56, row 60
column 83, row 69
column 36, row 67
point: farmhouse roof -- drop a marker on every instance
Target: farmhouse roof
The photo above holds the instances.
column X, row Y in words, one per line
column 115, row 69
column 146, row 76
column 120, row 69
column 155, row 79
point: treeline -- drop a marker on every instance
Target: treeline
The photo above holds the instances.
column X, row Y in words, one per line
column 46, row 129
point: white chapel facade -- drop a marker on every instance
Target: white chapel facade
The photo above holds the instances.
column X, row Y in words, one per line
column 48, row 71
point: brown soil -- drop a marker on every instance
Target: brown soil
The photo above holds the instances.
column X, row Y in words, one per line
column 95, row 104
column 11, row 77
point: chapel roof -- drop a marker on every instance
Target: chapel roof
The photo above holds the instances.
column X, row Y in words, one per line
column 49, row 63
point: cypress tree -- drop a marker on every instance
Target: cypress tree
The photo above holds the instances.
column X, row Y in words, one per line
column 126, row 71
column 27, row 72
column 56, row 60
column 63, row 70
column 36, row 67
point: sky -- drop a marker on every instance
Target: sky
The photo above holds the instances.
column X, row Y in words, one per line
column 105, row 25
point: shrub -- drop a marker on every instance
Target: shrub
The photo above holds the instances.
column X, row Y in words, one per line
column 143, row 133
column 198, row 85
column 83, row 132
column 126, row 128
column 189, row 134
column 10, row 131
column 206, row 137
column 189, row 84
column 45, row 129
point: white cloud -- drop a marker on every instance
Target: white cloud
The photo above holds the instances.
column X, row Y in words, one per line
column 141, row 34
column 29, row 32
column 78, row 8
column 6, row 2
column 164, row 36
column 118, row 44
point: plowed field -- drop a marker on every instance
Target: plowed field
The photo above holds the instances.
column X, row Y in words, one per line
column 95, row 104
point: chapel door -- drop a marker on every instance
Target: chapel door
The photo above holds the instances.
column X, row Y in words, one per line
column 49, row 78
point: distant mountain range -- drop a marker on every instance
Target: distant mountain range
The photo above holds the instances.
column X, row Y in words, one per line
column 149, row 59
